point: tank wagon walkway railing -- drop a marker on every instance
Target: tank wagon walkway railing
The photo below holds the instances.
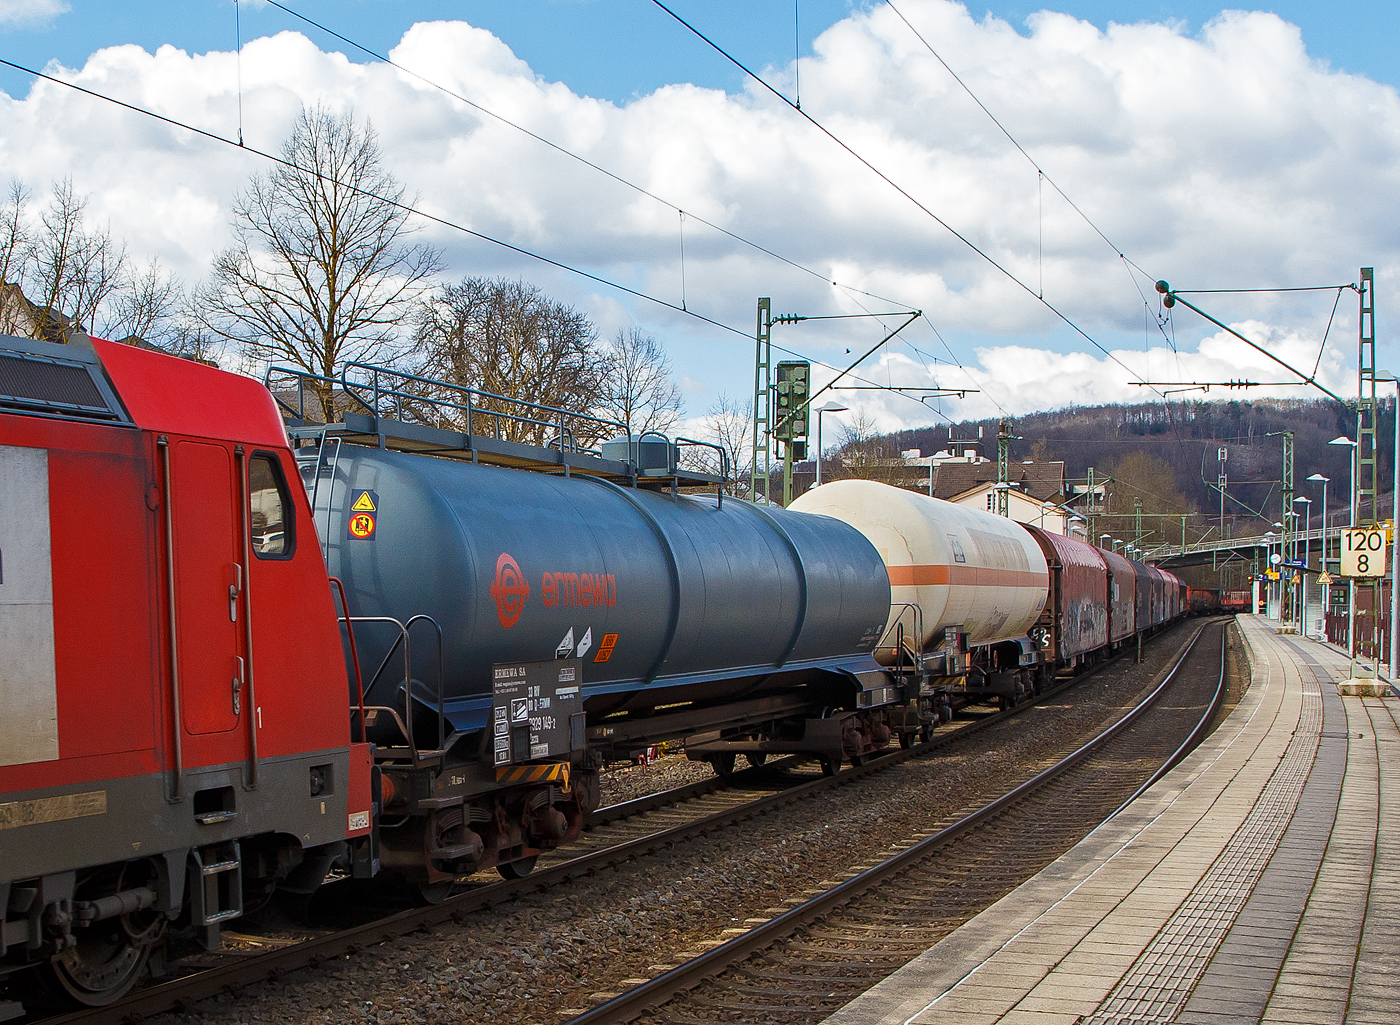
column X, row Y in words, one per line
column 371, row 404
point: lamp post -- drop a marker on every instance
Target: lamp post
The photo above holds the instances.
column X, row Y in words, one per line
column 1351, row 585
column 1269, row 559
column 1322, row 559
column 1307, row 551
column 832, row 407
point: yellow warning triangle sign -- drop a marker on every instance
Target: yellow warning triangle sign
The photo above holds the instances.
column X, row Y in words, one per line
column 363, row 504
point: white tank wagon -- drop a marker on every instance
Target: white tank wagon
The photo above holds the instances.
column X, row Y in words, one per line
column 966, row 587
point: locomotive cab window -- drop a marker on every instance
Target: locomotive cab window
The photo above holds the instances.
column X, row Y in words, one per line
column 269, row 509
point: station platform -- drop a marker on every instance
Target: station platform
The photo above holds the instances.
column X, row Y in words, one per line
column 1259, row 881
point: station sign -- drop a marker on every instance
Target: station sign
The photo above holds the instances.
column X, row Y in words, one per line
column 536, row 710
column 1363, row 552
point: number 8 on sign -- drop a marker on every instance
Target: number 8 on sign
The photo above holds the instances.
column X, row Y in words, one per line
column 1363, row 553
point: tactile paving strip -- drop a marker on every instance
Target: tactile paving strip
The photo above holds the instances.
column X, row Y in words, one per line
column 1159, row 982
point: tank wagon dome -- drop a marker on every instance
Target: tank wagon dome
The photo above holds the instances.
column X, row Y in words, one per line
column 963, row 568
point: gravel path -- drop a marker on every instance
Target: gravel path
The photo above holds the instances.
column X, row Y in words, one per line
column 533, row 960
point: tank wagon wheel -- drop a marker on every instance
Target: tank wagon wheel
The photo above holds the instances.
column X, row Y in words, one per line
column 757, row 758
column 434, row 893
column 906, row 741
column 517, row 869
column 857, row 761
column 723, row 765
column 830, row 766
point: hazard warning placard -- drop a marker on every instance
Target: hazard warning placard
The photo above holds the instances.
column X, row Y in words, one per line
column 364, row 516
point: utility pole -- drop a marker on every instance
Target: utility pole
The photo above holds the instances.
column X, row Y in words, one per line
column 1289, row 536
column 1091, row 509
column 1003, row 488
column 1365, row 445
column 762, row 393
column 1137, row 523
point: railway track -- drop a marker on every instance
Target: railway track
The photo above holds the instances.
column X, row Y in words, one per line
column 615, row 835
column 801, row 965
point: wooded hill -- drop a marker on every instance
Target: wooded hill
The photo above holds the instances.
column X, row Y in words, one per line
column 1167, row 455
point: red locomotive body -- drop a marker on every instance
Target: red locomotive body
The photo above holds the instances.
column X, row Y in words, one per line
column 175, row 732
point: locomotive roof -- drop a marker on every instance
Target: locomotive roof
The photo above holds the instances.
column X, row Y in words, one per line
column 180, row 396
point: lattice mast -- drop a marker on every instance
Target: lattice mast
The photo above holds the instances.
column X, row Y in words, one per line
column 762, row 393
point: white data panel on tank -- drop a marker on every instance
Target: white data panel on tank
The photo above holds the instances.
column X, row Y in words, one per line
column 28, row 684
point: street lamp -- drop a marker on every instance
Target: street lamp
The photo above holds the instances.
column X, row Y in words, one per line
column 1307, row 550
column 1344, row 440
column 1322, row 559
column 833, row 407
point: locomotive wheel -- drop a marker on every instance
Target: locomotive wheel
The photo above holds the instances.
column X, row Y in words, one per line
column 107, row 959
column 757, row 758
column 517, row 869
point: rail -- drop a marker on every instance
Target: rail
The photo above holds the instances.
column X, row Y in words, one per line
column 249, row 969
column 632, row 1004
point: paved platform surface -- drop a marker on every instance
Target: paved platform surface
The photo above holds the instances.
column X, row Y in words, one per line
column 1259, row 881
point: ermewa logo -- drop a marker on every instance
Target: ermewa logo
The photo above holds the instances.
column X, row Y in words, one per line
column 509, row 590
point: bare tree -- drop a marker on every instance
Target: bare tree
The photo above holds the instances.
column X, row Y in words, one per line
column 60, row 274
column 728, row 424
column 509, row 339
column 15, row 235
column 321, row 271
column 862, row 445
column 144, row 307
column 638, row 391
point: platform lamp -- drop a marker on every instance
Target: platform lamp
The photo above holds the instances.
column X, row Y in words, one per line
column 831, row 407
column 1290, row 555
column 1318, row 478
column 1351, row 522
column 1307, row 551
column 1269, row 548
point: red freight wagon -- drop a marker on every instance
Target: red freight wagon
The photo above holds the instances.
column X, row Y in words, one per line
column 1076, row 608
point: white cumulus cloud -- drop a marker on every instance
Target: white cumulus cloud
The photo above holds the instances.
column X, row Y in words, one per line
column 1226, row 159
column 30, row 12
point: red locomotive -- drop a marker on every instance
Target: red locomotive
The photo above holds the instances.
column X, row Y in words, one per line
column 173, row 738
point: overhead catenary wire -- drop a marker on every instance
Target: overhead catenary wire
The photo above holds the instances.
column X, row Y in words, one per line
column 1064, row 318
column 570, row 154
column 408, row 208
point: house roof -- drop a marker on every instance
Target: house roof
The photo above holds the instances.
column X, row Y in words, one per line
column 1042, row 480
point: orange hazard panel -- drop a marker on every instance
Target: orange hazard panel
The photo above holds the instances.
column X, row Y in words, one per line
column 605, row 649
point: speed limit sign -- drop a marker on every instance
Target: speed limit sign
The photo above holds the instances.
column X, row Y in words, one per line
column 1363, row 553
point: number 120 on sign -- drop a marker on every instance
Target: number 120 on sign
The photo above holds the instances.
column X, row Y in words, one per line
column 1363, row 553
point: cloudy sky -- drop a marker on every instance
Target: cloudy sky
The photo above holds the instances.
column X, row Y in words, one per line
column 1218, row 150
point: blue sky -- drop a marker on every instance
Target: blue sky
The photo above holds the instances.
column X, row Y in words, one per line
column 615, row 49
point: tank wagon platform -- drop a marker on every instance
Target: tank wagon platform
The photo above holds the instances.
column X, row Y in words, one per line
column 1259, row 881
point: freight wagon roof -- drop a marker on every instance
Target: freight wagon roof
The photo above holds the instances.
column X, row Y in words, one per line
column 1118, row 565
column 1070, row 551
column 179, row 396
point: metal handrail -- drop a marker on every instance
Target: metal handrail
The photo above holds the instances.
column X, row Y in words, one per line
column 897, row 628
column 393, row 388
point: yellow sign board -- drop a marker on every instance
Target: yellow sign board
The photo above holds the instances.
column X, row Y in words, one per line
column 1363, row 552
